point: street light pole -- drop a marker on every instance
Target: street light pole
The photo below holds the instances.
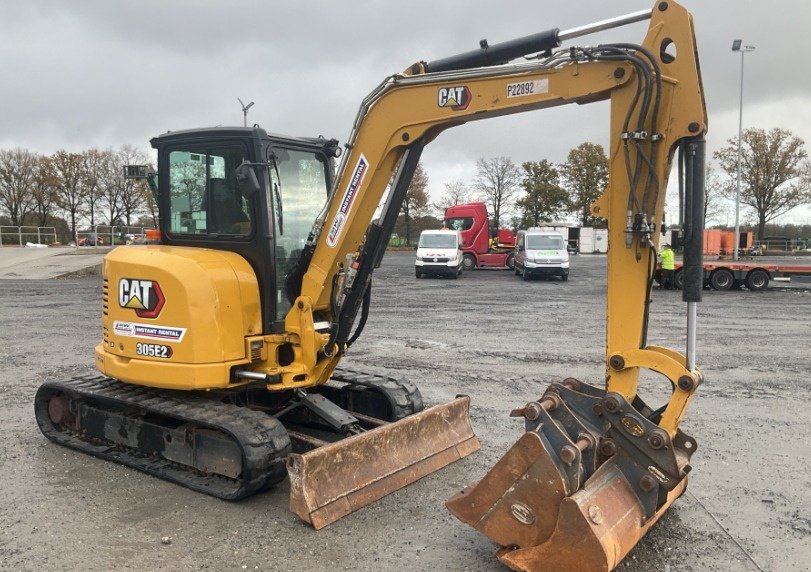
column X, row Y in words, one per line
column 245, row 109
column 736, row 47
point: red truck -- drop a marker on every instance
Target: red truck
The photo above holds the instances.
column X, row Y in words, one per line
column 483, row 246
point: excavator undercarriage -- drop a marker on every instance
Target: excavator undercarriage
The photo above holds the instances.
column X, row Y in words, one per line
column 232, row 444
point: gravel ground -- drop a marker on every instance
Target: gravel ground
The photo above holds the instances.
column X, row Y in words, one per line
column 489, row 335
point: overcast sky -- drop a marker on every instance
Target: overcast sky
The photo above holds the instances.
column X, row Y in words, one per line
column 84, row 74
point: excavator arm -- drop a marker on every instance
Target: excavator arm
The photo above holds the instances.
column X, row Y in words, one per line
column 657, row 107
column 596, row 466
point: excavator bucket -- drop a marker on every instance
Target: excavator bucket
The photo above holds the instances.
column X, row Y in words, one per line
column 334, row 480
column 581, row 487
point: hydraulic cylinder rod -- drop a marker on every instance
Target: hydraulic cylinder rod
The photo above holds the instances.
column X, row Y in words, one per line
column 488, row 55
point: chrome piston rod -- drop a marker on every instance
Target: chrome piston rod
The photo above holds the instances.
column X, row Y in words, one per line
column 608, row 24
column 692, row 308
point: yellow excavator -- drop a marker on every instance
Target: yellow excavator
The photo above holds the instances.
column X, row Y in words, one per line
column 222, row 339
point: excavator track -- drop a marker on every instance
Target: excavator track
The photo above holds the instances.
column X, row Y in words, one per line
column 221, row 449
column 226, row 451
column 399, row 398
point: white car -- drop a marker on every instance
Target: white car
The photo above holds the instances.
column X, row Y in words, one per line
column 439, row 253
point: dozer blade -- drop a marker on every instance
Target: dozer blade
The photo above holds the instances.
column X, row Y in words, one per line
column 581, row 487
column 334, row 480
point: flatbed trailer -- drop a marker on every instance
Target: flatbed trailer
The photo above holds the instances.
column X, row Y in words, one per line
column 728, row 275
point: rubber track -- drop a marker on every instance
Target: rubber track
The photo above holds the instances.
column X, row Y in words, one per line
column 404, row 397
column 263, row 440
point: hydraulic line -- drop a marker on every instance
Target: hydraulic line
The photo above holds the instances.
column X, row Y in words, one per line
column 364, row 314
column 654, row 133
column 609, row 52
column 646, row 315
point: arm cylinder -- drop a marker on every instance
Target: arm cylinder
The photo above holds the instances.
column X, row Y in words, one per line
column 693, row 268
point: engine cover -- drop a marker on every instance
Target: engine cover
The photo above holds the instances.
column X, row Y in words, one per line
column 176, row 317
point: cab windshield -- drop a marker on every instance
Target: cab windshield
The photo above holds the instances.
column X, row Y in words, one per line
column 544, row 242
column 204, row 198
column 437, row 241
column 298, row 191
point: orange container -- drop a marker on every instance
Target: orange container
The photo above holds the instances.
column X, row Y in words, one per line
column 727, row 240
column 712, row 241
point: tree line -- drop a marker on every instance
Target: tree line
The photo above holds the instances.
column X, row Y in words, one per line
column 775, row 178
column 89, row 186
column 74, row 188
column 538, row 191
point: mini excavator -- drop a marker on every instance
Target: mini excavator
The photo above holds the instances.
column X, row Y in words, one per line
column 219, row 358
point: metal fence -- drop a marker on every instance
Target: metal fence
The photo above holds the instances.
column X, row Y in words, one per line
column 99, row 235
column 781, row 244
column 105, row 235
column 22, row 235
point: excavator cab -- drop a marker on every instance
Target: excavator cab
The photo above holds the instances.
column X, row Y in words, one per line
column 244, row 191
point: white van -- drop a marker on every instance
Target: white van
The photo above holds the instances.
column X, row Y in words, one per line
column 541, row 252
column 439, row 253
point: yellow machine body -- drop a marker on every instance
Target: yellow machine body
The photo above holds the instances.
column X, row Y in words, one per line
column 200, row 304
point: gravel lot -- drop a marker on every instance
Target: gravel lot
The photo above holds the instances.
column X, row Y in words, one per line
column 489, row 335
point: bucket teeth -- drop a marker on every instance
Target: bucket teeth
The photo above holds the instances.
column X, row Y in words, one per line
column 334, row 480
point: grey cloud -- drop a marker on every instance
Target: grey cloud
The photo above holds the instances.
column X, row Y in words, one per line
column 102, row 73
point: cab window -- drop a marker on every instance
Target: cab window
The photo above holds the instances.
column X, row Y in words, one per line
column 438, row 240
column 544, row 242
column 203, row 193
column 459, row 223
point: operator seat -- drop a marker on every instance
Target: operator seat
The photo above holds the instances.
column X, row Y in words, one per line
column 226, row 211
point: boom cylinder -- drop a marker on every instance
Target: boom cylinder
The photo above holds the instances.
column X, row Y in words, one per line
column 502, row 53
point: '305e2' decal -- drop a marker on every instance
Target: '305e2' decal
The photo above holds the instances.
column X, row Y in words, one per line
column 153, row 350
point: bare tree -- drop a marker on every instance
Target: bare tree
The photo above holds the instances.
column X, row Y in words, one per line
column 69, row 169
column 135, row 193
column 715, row 191
column 95, row 165
column 151, row 208
column 585, row 173
column 497, row 181
column 456, row 192
column 112, row 185
column 416, row 199
column 121, row 197
column 773, row 178
column 17, row 170
column 44, row 194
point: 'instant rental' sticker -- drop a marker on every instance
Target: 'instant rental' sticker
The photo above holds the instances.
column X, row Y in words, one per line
column 351, row 192
column 148, row 331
